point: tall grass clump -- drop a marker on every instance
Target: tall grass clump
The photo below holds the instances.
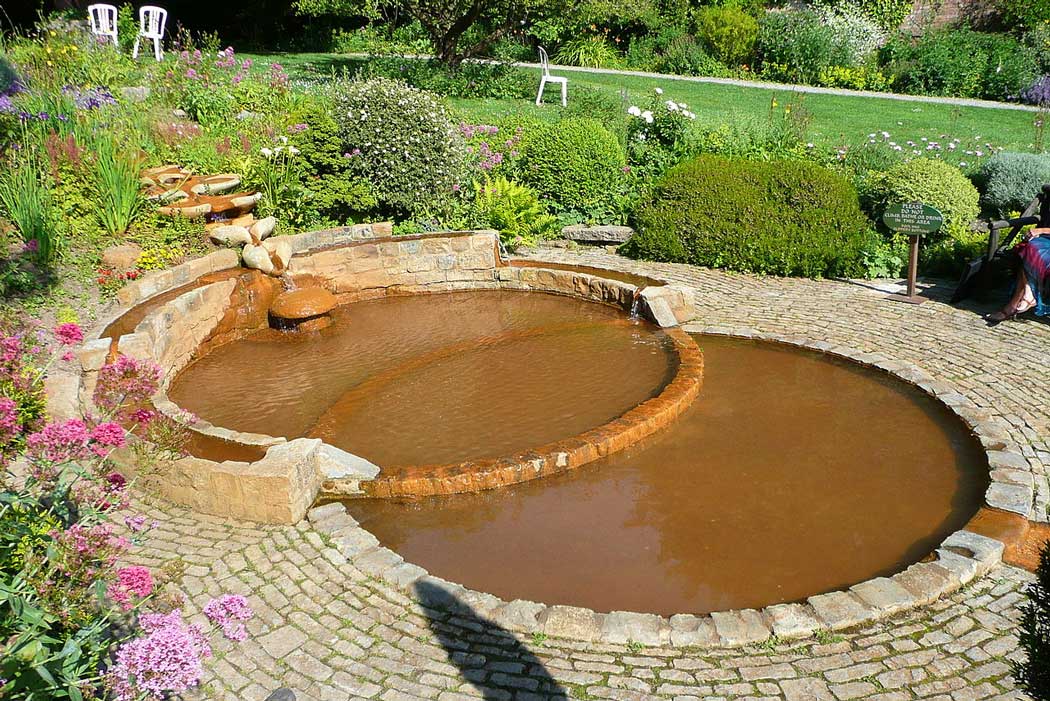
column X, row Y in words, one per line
column 117, row 198
column 26, row 201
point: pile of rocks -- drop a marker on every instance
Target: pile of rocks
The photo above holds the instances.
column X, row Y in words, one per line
column 270, row 255
column 183, row 194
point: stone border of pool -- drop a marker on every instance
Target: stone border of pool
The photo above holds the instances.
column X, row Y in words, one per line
column 287, row 476
column 963, row 556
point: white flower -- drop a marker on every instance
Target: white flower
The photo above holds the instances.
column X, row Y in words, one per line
column 672, row 105
column 284, row 139
column 647, row 116
column 659, row 91
column 634, row 111
column 809, row 145
column 266, row 152
column 885, row 134
column 278, row 150
column 293, row 150
column 682, row 105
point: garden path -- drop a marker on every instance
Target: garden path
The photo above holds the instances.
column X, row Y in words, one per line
column 330, row 632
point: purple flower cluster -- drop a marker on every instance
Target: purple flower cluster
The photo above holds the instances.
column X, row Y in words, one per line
column 226, row 58
column 90, row 99
column 228, row 612
column 1038, row 93
column 469, row 131
column 125, row 385
column 166, row 660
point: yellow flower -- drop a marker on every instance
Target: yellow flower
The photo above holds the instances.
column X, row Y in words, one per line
column 53, row 33
column 49, row 49
column 774, row 103
column 73, row 47
column 787, row 110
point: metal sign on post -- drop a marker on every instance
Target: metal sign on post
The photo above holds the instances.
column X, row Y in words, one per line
column 916, row 220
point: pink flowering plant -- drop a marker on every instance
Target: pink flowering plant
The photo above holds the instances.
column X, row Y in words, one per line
column 76, row 621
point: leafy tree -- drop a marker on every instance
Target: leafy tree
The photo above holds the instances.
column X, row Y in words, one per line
column 457, row 29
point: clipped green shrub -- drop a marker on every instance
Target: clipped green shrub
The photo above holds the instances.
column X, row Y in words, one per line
column 960, row 63
column 576, row 163
column 1011, row 180
column 400, row 139
column 777, row 217
column 936, row 183
column 728, row 32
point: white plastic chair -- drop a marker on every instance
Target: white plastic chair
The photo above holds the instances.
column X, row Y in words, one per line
column 151, row 27
column 548, row 78
column 103, row 20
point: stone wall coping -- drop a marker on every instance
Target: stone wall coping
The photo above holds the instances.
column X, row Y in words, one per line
column 961, row 557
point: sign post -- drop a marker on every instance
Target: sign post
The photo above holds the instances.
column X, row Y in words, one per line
column 916, row 220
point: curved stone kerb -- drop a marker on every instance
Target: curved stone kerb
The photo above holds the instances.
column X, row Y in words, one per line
column 559, row 456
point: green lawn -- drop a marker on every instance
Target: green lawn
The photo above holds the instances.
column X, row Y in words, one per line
column 834, row 118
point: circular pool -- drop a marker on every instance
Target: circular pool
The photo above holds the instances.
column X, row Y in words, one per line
column 435, row 379
column 793, row 474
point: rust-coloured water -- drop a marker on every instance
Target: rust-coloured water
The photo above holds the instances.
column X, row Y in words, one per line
column 792, row 474
column 436, row 378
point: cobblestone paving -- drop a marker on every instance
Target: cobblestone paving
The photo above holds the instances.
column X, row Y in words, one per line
column 328, row 631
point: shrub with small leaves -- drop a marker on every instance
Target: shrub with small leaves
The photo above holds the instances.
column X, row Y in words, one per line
column 933, row 182
column 728, row 32
column 401, row 140
column 779, row 218
column 1012, row 180
column 576, row 163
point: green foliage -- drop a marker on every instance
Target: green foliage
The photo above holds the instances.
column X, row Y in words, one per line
column 116, row 194
column 932, row 182
column 887, row 14
column 576, row 163
column 605, row 107
column 468, row 80
column 8, row 74
column 590, row 52
column 858, row 34
column 336, row 196
column 780, row 218
column 796, row 47
column 1025, row 13
column 960, row 63
column 401, row 139
column 25, row 196
column 1011, row 180
column 684, row 55
column 866, row 77
column 513, row 210
column 728, row 32
column 1037, row 38
column 1033, row 674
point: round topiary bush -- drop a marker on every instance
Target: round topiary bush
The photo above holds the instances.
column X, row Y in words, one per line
column 931, row 182
column 576, row 163
column 400, row 139
column 779, row 217
column 1011, row 180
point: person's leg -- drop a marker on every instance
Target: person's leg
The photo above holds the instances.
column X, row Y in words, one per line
column 1021, row 301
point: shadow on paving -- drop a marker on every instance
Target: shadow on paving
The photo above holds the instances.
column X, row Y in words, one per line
column 487, row 656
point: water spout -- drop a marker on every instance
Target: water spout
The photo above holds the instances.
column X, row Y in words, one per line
column 288, row 282
column 636, row 303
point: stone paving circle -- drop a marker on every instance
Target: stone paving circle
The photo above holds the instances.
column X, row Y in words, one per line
column 328, row 626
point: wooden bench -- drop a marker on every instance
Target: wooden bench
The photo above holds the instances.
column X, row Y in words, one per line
column 975, row 276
